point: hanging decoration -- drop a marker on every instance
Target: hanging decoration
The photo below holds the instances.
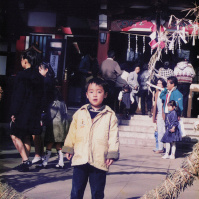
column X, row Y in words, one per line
column 161, row 38
column 130, row 53
column 179, row 44
column 136, row 47
column 143, row 44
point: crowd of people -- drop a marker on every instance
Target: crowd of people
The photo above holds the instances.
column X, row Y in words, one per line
column 92, row 141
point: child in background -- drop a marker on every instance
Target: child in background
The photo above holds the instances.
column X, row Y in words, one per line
column 126, row 99
column 92, row 141
column 54, row 115
column 172, row 134
column 56, row 123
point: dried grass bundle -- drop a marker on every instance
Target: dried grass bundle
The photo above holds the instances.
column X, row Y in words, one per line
column 179, row 179
column 7, row 192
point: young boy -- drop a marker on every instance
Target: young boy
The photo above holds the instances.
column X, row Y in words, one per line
column 92, row 141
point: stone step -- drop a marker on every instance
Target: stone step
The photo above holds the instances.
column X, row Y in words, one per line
column 192, row 132
column 135, row 134
column 187, row 123
column 137, row 142
column 126, row 131
column 186, row 142
column 136, row 122
column 143, row 128
column 190, row 120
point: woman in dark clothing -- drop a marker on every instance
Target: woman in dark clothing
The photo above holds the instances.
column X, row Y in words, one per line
column 26, row 107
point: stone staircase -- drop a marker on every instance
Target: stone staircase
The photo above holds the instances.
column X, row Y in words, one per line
column 139, row 130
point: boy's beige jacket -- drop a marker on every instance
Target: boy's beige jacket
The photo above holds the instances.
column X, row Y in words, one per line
column 93, row 141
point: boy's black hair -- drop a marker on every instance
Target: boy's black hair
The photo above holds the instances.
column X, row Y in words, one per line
column 173, row 103
column 98, row 81
column 127, row 87
column 111, row 53
column 31, row 56
column 47, row 65
column 173, row 80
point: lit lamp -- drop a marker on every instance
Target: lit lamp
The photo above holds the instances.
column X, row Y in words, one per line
column 103, row 26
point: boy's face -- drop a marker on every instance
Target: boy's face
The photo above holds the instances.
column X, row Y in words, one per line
column 23, row 63
column 43, row 71
column 95, row 95
column 169, row 85
column 171, row 108
column 137, row 69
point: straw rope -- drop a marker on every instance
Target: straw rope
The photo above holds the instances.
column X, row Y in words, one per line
column 177, row 181
column 7, row 192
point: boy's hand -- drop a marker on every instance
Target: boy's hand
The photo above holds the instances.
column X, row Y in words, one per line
column 173, row 129
column 69, row 156
column 109, row 162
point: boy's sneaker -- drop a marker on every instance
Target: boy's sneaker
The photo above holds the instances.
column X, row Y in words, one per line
column 172, row 156
column 165, row 156
column 37, row 160
column 60, row 163
column 46, row 158
column 24, row 167
column 149, row 114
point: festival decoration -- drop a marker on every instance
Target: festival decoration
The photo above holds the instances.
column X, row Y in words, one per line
column 136, row 44
column 143, row 44
column 163, row 38
column 177, row 181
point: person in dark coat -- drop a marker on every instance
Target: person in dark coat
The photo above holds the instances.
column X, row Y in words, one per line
column 26, row 107
column 172, row 134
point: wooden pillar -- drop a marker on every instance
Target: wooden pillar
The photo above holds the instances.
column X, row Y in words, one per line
column 103, row 48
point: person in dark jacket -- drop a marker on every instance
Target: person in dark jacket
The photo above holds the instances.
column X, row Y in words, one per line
column 26, row 107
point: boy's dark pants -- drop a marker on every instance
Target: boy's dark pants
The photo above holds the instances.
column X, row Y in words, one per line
column 97, row 181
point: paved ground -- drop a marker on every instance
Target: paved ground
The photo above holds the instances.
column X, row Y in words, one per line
column 138, row 171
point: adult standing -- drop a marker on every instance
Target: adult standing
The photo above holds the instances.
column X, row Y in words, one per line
column 165, row 72
column 26, row 107
column 88, row 68
column 110, row 70
column 158, row 115
column 145, row 94
column 133, row 81
column 185, row 73
column 172, row 93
